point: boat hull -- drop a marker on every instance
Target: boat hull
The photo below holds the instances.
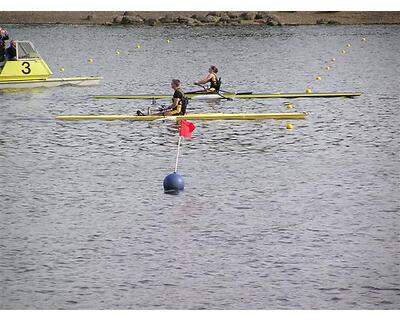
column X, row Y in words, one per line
column 50, row 83
column 230, row 95
column 193, row 117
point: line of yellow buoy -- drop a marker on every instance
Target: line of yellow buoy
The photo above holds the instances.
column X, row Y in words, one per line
column 117, row 52
column 332, row 60
column 289, row 126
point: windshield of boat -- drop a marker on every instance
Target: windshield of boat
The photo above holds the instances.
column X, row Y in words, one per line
column 26, row 50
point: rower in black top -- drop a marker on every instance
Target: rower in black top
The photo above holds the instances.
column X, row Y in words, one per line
column 179, row 102
column 211, row 78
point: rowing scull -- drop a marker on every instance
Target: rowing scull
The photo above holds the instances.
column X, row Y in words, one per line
column 194, row 116
column 232, row 95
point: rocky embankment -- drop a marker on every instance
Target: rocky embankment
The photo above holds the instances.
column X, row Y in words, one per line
column 219, row 18
column 199, row 19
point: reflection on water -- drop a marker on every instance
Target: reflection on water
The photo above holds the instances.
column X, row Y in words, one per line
column 270, row 218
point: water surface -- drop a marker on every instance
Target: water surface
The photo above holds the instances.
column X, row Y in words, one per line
column 270, row 218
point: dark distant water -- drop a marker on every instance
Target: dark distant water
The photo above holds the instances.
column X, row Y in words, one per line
column 270, row 218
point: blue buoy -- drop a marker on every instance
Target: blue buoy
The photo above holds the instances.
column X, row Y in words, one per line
column 173, row 183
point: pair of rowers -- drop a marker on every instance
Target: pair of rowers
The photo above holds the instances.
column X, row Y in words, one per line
column 179, row 100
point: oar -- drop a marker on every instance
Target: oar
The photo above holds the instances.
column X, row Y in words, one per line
column 216, row 92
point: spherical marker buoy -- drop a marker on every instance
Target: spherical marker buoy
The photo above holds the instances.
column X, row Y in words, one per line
column 90, row 60
column 318, row 78
column 173, row 183
column 348, row 45
column 117, row 52
column 343, row 51
column 327, row 68
column 364, row 39
column 62, row 69
column 289, row 126
column 168, row 41
column 308, row 90
column 333, row 59
column 138, row 46
column 289, row 106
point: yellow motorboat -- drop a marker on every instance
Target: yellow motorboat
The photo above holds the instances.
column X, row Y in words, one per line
column 29, row 70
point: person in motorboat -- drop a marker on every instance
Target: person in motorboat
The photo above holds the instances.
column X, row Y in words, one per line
column 211, row 78
column 3, row 37
column 11, row 51
column 179, row 102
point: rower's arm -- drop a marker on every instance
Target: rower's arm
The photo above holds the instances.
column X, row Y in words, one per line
column 167, row 112
column 204, row 81
column 175, row 102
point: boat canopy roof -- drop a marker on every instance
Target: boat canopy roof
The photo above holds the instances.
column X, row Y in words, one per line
column 26, row 50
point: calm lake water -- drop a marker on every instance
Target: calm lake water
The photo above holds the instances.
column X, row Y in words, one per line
column 270, row 218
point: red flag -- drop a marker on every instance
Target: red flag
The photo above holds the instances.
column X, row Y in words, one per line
column 186, row 129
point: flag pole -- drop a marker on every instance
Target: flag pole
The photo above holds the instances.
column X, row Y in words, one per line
column 177, row 155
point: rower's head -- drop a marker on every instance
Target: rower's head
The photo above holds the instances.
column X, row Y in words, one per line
column 175, row 83
column 13, row 43
column 213, row 69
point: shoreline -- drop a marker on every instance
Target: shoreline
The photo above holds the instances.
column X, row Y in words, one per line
column 201, row 18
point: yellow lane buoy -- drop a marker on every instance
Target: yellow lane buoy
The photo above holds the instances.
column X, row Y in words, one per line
column 138, row 46
column 327, row 68
column 289, row 106
column 308, row 90
column 333, row 59
column 168, row 41
column 364, row 39
column 90, row 60
column 117, row 52
column 348, row 45
column 62, row 69
column 289, row 126
column 318, row 78
column 343, row 51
